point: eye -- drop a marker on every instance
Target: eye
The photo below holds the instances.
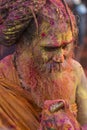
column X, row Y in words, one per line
column 50, row 49
column 67, row 47
column 64, row 46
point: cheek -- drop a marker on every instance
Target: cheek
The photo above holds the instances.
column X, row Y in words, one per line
column 36, row 54
column 44, row 56
column 68, row 52
column 40, row 56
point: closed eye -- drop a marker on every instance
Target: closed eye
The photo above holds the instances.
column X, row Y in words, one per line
column 50, row 49
column 64, row 46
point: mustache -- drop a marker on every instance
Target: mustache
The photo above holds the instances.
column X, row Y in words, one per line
column 51, row 66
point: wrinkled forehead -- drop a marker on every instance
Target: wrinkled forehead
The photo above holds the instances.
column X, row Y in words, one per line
column 54, row 25
column 55, row 35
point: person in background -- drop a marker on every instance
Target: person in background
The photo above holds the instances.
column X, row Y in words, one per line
column 41, row 86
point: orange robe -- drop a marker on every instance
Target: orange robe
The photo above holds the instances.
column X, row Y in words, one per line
column 16, row 112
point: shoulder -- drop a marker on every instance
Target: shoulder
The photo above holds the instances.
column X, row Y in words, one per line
column 6, row 64
column 78, row 69
column 6, row 61
column 77, row 66
column 80, row 74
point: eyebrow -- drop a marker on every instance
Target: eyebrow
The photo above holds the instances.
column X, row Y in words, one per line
column 54, row 47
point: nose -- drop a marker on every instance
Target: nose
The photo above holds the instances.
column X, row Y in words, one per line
column 59, row 56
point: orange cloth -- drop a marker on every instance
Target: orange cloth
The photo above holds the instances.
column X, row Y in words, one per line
column 15, row 110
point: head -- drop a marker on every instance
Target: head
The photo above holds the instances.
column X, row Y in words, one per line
column 49, row 32
column 45, row 46
column 52, row 45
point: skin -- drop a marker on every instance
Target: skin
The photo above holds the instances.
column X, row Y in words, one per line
column 45, row 69
column 52, row 54
column 52, row 62
column 63, row 75
column 50, row 73
column 51, row 47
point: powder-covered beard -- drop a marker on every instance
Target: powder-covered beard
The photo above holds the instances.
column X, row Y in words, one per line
column 53, row 82
column 48, row 68
column 44, row 81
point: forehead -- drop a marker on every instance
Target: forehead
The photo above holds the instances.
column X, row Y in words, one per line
column 55, row 28
column 53, row 34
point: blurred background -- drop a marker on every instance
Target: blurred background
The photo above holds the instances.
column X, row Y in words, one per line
column 79, row 8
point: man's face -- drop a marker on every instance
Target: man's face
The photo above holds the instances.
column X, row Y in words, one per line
column 51, row 49
column 51, row 57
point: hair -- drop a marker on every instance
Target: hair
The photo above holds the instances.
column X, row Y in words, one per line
column 21, row 19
